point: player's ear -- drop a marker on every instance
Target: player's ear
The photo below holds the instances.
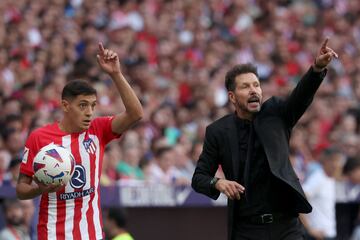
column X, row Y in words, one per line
column 65, row 105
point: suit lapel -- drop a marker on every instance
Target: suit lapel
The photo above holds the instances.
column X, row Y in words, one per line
column 234, row 146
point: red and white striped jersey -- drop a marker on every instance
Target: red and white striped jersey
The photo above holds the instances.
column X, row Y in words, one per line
column 74, row 212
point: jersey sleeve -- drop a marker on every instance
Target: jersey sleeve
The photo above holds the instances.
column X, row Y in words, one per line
column 102, row 126
column 30, row 150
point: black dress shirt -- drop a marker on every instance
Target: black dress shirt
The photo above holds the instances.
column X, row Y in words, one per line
column 264, row 193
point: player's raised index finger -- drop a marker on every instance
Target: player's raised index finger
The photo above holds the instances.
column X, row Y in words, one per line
column 101, row 48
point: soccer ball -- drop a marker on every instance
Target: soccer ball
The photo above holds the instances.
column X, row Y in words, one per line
column 54, row 164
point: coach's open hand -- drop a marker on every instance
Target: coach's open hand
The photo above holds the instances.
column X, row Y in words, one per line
column 231, row 189
column 324, row 56
column 108, row 60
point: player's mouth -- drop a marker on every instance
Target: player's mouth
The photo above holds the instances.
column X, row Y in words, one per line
column 87, row 122
column 254, row 102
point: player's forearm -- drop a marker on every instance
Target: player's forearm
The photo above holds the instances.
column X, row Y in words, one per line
column 27, row 191
column 128, row 96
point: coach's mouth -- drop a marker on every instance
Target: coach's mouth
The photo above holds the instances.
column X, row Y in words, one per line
column 254, row 102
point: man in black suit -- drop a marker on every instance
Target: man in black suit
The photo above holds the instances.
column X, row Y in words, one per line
column 252, row 147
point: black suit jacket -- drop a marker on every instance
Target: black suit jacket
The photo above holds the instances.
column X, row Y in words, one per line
column 273, row 125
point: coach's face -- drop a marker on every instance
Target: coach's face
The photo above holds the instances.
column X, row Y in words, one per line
column 80, row 111
column 247, row 95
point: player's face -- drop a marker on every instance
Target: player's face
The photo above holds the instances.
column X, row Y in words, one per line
column 247, row 96
column 80, row 111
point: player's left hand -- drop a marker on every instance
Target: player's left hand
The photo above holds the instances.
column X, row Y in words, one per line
column 108, row 60
column 324, row 56
column 47, row 188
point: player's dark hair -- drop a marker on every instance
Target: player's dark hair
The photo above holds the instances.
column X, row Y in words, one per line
column 237, row 70
column 77, row 87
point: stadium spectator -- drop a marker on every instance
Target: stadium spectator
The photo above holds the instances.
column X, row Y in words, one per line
column 128, row 167
column 13, row 141
column 183, row 162
column 115, row 220
column 30, row 222
column 163, row 170
column 320, row 189
column 347, row 198
column 5, row 159
column 15, row 219
column 109, row 174
column 12, row 175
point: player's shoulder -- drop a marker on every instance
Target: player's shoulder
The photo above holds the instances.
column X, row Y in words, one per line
column 43, row 130
column 100, row 122
column 102, row 119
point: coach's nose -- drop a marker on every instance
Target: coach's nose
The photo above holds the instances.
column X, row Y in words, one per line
column 252, row 89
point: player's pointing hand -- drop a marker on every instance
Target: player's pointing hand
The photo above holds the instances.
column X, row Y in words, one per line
column 108, row 60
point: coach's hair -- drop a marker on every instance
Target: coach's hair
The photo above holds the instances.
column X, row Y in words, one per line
column 237, row 70
column 77, row 87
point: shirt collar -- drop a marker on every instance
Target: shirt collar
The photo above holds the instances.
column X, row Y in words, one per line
column 242, row 123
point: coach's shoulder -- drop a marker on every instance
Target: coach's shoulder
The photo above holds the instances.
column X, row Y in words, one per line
column 221, row 122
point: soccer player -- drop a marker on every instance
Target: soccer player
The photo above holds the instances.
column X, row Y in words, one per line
column 73, row 211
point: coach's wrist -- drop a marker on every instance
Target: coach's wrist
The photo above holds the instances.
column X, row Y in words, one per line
column 318, row 68
column 213, row 182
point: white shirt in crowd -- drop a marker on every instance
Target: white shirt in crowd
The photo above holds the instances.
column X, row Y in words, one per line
column 320, row 191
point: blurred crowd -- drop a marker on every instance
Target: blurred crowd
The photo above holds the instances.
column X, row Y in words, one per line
column 175, row 55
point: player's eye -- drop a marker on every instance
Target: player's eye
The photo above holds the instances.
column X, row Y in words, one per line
column 83, row 105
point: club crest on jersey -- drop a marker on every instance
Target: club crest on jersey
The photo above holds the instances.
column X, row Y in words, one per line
column 89, row 145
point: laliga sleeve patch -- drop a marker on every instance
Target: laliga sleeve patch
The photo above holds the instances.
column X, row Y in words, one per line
column 25, row 155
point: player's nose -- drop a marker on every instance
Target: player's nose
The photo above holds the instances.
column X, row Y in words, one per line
column 89, row 112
